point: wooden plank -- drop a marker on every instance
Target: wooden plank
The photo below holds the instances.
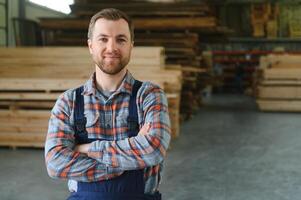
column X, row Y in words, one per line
column 174, row 113
column 23, row 128
column 280, row 73
column 285, row 61
column 188, row 39
column 28, row 96
column 172, row 23
column 46, row 61
column 279, row 92
column 25, row 103
column 23, row 140
column 7, row 143
column 146, row 13
column 46, row 71
column 145, row 23
column 30, row 114
column 23, row 120
column 143, row 6
column 190, row 69
column 275, row 82
column 279, row 105
column 9, row 84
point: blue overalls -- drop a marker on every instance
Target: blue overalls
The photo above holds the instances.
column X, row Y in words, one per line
column 129, row 185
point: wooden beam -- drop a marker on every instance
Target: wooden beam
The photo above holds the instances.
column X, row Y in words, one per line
column 279, row 105
column 275, row 82
column 29, row 96
column 10, row 84
column 284, row 61
column 145, row 23
column 280, row 73
column 279, row 92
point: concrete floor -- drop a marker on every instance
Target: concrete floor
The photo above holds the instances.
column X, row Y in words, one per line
column 227, row 151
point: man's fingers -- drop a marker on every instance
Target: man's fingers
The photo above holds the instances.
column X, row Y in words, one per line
column 145, row 128
column 148, row 126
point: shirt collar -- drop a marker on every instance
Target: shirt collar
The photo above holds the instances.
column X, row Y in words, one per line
column 125, row 86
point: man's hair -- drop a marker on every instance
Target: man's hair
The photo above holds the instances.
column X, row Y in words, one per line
column 110, row 14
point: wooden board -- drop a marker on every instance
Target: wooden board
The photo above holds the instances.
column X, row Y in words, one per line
column 136, row 8
column 279, row 105
column 284, row 61
column 19, row 84
column 275, row 82
column 194, row 23
column 279, row 92
column 280, row 73
column 22, row 140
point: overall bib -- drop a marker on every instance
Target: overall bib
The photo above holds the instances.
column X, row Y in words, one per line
column 127, row 186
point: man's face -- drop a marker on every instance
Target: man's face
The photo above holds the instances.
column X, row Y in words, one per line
column 111, row 45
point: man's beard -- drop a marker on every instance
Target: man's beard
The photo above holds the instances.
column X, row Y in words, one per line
column 111, row 69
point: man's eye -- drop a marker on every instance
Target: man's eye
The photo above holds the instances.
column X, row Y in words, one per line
column 103, row 39
column 121, row 40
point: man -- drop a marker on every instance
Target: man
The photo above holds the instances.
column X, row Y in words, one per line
column 94, row 139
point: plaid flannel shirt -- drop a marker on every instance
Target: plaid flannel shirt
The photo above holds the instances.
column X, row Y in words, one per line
column 107, row 120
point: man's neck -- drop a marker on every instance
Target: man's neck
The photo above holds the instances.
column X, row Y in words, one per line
column 107, row 82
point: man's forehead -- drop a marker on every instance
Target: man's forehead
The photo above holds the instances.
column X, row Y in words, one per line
column 106, row 35
column 104, row 26
column 106, row 22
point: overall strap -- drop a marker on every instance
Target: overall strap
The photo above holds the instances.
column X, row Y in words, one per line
column 79, row 104
column 79, row 118
column 133, row 123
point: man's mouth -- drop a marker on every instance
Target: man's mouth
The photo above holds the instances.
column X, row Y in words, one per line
column 111, row 56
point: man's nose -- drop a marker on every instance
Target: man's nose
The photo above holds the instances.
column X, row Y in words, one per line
column 111, row 46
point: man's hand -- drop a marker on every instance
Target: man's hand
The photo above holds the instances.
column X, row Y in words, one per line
column 82, row 148
column 145, row 129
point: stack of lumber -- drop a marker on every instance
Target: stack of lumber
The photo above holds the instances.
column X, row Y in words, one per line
column 191, row 90
column 172, row 25
column 176, row 26
column 279, row 83
column 33, row 78
column 141, row 8
column 264, row 19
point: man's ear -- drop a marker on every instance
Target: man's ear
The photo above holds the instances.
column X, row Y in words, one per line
column 90, row 45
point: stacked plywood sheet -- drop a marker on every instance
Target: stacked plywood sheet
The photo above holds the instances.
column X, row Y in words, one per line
column 279, row 83
column 32, row 79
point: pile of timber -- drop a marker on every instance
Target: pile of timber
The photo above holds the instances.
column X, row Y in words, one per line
column 177, row 26
column 173, row 25
column 279, row 83
column 192, row 85
column 33, row 78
